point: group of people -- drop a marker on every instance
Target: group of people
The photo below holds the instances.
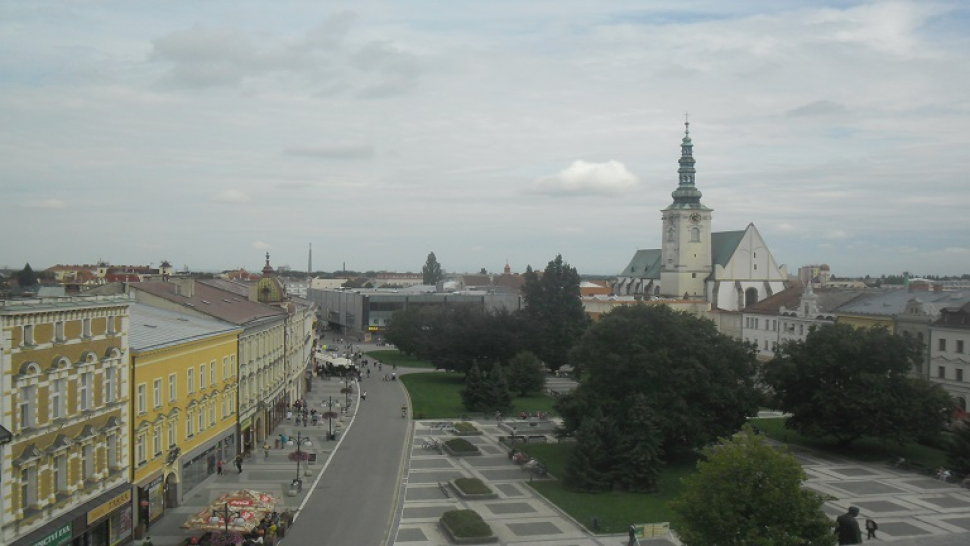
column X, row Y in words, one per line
column 847, row 527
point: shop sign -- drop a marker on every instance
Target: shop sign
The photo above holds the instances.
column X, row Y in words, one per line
column 57, row 537
column 110, row 506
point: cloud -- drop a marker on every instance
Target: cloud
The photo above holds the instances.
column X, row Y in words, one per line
column 203, row 58
column 259, row 245
column 46, row 204
column 294, row 185
column 333, row 151
column 836, row 234
column 956, row 250
column 585, row 178
column 817, row 108
column 231, row 196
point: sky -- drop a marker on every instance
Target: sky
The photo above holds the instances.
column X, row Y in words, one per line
column 209, row 133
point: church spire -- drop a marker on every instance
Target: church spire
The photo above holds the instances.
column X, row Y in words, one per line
column 686, row 196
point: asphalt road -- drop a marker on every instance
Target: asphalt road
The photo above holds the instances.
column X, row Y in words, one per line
column 357, row 498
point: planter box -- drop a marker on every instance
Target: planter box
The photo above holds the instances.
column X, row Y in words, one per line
column 456, row 540
column 473, row 496
column 446, row 449
column 467, row 433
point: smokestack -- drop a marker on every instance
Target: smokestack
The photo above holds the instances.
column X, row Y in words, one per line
column 309, row 262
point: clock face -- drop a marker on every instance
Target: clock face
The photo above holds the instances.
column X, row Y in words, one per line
column 695, row 217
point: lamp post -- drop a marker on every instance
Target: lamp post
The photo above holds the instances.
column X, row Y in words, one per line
column 346, row 388
column 226, row 513
column 330, row 417
column 299, row 457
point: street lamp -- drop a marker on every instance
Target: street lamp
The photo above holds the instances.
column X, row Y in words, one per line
column 226, row 513
column 330, row 417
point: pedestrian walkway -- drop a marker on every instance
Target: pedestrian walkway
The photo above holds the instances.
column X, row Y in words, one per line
column 273, row 474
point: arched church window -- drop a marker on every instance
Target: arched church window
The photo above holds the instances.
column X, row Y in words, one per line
column 750, row 296
column 695, row 235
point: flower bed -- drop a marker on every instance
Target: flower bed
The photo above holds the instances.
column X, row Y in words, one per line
column 464, row 428
column 466, row 527
column 472, row 489
column 460, row 447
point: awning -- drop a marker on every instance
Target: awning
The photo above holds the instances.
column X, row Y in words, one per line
column 246, row 509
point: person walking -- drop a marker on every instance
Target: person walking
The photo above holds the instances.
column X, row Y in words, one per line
column 147, row 541
column 847, row 527
column 239, row 459
column 634, row 541
column 363, row 396
column 219, row 467
column 871, row 527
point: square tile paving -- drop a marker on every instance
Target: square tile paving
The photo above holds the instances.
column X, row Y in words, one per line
column 901, row 529
column 410, row 534
column 513, row 473
column 881, row 506
column 431, row 463
column 946, row 502
column 510, row 490
column 510, row 508
column 853, row 471
column 424, row 493
column 928, row 484
column 534, row 528
column 867, row 488
column 434, row 476
column 424, row 512
column 491, row 450
column 270, row 476
column 962, row 522
column 482, row 461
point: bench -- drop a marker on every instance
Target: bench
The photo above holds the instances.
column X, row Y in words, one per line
column 444, row 489
column 516, row 438
column 538, row 438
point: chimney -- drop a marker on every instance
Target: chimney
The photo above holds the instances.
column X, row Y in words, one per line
column 184, row 287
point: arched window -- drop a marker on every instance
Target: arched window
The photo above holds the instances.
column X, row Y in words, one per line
column 670, row 235
column 750, row 296
column 695, row 235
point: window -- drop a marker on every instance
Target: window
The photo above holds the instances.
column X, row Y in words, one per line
column 942, row 344
column 157, row 441
column 142, row 403
column 27, row 401
column 60, row 473
column 225, row 369
column 212, row 415
column 232, row 364
column 86, row 328
column 87, row 463
column 28, row 335
column 110, row 385
column 201, row 419
column 84, row 391
column 172, row 427
column 212, row 373
column 670, row 235
column 959, row 374
column 941, row 372
column 140, row 449
column 111, row 324
column 225, row 406
column 189, row 423
column 172, row 387
column 157, row 393
column 28, row 487
column 57, row 398
column 190, row 376
column 112, row 451
column 59, row 331
column 695, row 235
column 959, row 348
column 202, row 377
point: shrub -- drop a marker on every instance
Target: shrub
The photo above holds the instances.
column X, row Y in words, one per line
column 465, row 426
column 461, row 445
column 472, row 486
column 466, row 524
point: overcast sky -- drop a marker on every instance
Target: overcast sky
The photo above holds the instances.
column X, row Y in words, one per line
column 208, row 133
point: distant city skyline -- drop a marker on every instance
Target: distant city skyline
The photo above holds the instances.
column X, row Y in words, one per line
column 379, row 131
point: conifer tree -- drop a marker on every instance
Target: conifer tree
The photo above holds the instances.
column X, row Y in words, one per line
column 496, row 395
column 639, row 449
column 471, row 395
column 587, row 468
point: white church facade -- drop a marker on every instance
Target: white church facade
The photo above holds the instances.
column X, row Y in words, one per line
column 729, row 269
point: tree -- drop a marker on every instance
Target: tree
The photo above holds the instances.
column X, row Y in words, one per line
column 26, row 277
column 748, row 493
column 525, row 374
column 554, row 310
column 958, row 450
column 431, row 271
column 472, row 396
column 496, row 395
column 850, row 382
column 699, row 384
column 588, row 465
column 639, row 449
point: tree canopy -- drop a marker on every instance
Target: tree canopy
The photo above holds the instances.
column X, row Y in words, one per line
column 748, row 493
column 554, row 312
column 699, row 384
column 525, row 374
column 850, row 382
column 431, row 272
column 26, row 277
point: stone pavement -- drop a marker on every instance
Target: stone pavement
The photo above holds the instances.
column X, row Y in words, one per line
column 272, row 475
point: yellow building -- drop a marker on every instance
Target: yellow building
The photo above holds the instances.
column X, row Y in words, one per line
column 183, row 404
column 64, row 394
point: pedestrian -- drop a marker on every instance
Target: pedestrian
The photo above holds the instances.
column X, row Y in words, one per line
column 239, row 462
column 363, row 395
column 289, row 415
column 219, row 467
column 633, row 537
column 266, row 451
column 147, row 541
column 871, row 527
column 847, row 527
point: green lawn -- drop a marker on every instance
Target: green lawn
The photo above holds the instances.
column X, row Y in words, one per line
column 863, row 449
column 393, row 356
column 434, row 395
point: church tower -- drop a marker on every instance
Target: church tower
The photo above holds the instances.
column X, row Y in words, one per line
column 686, row 252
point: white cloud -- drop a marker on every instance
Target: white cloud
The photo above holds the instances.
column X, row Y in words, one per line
column 46, row 204
column 836, row 234
column 231, row 196
column 259, row 245
column 333, row 151
column 585, row 178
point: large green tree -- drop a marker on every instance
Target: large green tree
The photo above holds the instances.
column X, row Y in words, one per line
column 26, row 277
column 525, row 374
column 591, row 461
column 554, row 311
column 748, row 493
column 431, row 272
column 699, row 384
column 850, row 382
column 958, row 450
column 640, row 456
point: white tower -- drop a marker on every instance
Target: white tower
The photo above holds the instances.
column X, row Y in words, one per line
column 686, row 234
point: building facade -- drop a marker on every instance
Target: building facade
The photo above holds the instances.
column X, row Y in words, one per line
column 65, row 395
column 949, row 344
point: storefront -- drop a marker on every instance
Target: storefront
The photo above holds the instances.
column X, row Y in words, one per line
column 103, row 521
column 202, row 462
column 151, row 500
